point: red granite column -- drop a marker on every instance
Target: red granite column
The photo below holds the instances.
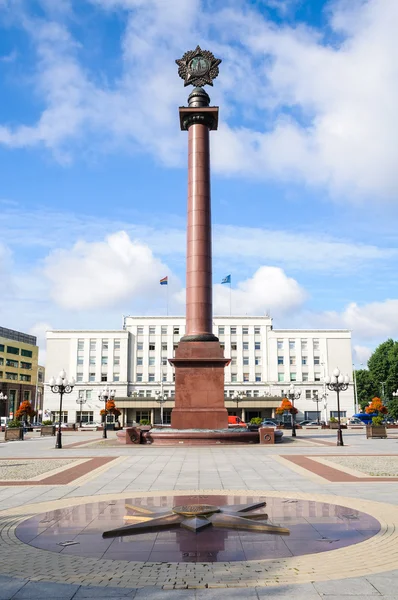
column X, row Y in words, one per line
column 199, row 271
column 199, row 360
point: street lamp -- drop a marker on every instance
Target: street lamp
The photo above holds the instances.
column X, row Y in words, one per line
column 338, row 383
column 3, row 397
column 293, row 395
column 81, row 401
column 61, row 386
column 104, row 396
column 237, row 397
column 317, row 400
column 161, row 398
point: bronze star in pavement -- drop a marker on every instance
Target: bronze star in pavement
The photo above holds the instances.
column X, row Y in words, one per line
column 198, row 67
column 196, row 517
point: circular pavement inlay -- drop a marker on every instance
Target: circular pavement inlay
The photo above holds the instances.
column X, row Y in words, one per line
column 314, row 527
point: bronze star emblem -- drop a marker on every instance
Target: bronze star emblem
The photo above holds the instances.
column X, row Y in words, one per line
column 198, row 67
column 196, row 517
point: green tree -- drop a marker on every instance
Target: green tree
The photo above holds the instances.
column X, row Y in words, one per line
column 393, row 408
column 366, row 387
column 383, row 369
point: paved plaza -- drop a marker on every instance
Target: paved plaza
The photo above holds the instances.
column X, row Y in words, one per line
column 38, row 482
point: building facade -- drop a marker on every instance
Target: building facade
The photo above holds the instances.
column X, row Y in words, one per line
column 134, row 363
column 18, row 369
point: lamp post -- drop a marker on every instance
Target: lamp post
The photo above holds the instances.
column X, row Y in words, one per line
column 161, row 399
column 104, row 396
column 3, row 398
column 317, row 400
column 61, row 385
column 293, row 395
column 81, row 401
column 237, row 397
column 338, row 383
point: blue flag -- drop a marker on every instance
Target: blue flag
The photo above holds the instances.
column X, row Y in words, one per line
column 226, row 279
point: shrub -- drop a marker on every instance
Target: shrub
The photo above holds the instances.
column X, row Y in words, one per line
column 255, row 421
column 377, row 420
column 14, row 424
column 145, row 422
column 47, row 422
column 333, row 420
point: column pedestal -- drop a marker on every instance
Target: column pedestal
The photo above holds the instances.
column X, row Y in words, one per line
column 199, row 385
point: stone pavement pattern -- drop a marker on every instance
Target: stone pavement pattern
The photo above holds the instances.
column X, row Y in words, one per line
column 158, row 470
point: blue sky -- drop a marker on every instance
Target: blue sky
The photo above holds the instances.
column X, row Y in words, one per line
column 304, row 177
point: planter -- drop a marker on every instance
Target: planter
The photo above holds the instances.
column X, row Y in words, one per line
column 13, row 433
column 47, row 430
column 376, row 431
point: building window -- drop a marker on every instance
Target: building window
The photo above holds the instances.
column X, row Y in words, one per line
column 79, row 377
column 245, row 361
column 140, row 330
column 151, row 361
column 12, row 376
column 12, row 350
column 81, row 394
column 316, row 360
column 93, row 345
column 176, row 330
column 116, row 360
column 245, row 376
column 26, row 395
column 304, row 344
column 152, row 330
column 245, row 330
column 257, row 330
column 104, row 377
column 88, row 394
column 221, row 330
column 105, row 345
column 245, row 345
column 91, row 361
column 315, row 344
column 292, row 344
column 292, row 376
column 292, row 360
column 104, row 360
column 141, row 393
column 27, row 353
column 25, row 378
column 80, row 344
column 86, row 416
column 234, row 346
column 1, row 361
column 151, row 377
column 12, row 363
column 174, row 376
column 64, row 416
column 151, row 346
column 280, row 360
column 80, row 360
column 233, row 330
column 308, row 394
column 257, row 345
column 335, row 414
column 26, row 365
column 164, row 376
column 234, row 377
column 281, row 377
column 164, row 347
column 257, row 361
column 305, row 376
column 139, row 360
column 164, row 362
column 91, row 376
column 258, row 377
column 115, row 377
column 116, row 344
column 222, row 345
column 304, row 360
column 317, row 377
column 164, row 330
column 140, row 346
column 1, row 347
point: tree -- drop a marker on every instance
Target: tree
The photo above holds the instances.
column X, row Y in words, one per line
column 393, row 408
column 383, row 368
column 24, row 411
column 366, row 387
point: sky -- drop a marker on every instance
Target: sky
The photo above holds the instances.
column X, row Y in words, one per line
column 93, row 175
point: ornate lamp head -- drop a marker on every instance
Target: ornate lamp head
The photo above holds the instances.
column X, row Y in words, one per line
column 198, row 67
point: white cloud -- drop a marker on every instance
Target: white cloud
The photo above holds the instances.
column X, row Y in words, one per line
column 314, row 111
column 269, row 290
column 39, row 331
column 103, row 274
column 361, row 355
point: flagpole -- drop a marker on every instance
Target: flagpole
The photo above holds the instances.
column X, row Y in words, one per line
column 167, row 298
column 230, row 297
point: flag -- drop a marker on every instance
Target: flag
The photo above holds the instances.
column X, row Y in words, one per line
column 164, row 281
column 226, row 279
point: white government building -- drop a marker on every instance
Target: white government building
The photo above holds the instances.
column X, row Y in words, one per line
column 133, row 362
